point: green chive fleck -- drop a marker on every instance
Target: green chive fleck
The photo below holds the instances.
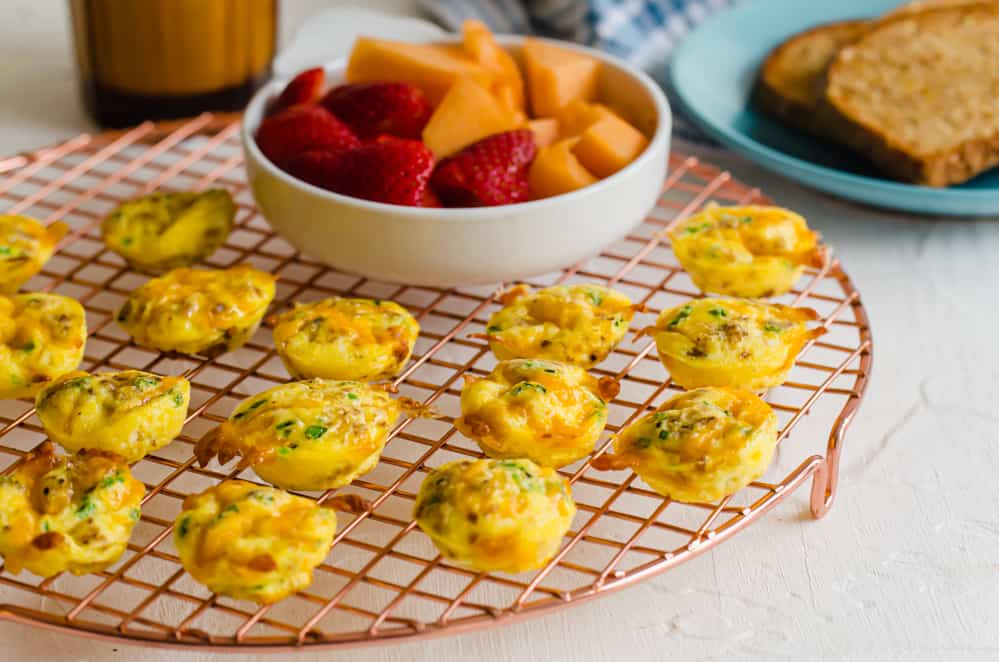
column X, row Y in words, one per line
column 523, row 386
column 29, row 346
column 315, row 431
column 126, row 241
column 682, row 315
column 5, row 250
column 595, row 297
column 178, row 399
column 143, row 383
column 643, row 442
column 717, row 312
column 352, row 396
column 184, row 527
column 493, row 329
column 772, row 328
column 664, row 434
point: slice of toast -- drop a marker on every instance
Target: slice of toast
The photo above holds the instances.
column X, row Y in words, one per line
column 919, row 94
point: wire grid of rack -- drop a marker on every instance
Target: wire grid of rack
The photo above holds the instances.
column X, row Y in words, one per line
column 383, row 579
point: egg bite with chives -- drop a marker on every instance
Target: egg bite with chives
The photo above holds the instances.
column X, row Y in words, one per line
column 25, row 246
column 67, row 513
column 131, row 413
column 164, row 231
column 339, row 338
column 317, row 434
column 701, row 445
column 251, row 542
column 748, row 251
column 198, row 311
column 495, row 515
column 549, row 412
column 732, row 342
column 42, row 336
column 577, row 324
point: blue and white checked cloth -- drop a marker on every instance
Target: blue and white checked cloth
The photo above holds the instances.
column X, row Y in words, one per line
column 642, row 32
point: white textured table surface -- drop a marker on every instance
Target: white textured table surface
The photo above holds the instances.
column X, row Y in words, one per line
column 905, row 567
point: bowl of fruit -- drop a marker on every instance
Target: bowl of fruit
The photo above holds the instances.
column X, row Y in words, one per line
column 477, row 160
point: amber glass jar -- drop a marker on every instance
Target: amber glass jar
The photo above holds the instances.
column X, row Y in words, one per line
column 156, row 59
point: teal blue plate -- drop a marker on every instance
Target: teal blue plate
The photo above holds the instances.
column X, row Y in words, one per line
column 712, row 74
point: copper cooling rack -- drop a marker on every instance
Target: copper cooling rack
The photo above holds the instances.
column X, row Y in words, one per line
column 383, row 579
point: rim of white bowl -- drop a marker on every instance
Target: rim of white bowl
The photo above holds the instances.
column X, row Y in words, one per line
column 254, row 112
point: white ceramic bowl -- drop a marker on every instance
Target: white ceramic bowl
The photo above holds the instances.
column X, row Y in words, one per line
column 447, row 247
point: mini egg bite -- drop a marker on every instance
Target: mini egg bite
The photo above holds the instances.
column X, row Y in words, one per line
column 25, row 246
column 60, row 513
column 163, row 231
column 701, row 445
column 577, row 324
column 131, row 413
column 42, row 336
column 548, row 412
column 495, row 515
column 310, row 435
column 251, row 542
column 339, row 338
column 198, row 311
column 750, row 251
column 732, row 342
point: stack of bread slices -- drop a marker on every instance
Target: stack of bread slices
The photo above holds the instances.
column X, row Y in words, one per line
column 915, row 91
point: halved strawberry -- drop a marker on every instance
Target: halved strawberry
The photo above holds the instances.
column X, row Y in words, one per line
column 490, row 172
column 317, row 167
column 302, row 128
column 374, row 109
column 389, row 169
column 306, row 87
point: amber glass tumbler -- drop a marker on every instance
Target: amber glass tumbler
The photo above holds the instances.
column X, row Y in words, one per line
column 158, row 59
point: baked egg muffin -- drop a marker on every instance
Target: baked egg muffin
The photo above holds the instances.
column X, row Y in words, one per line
column 750, row 251
column 548, row 412
column 42, row 336
column 702, row 445
column 337, row 338
column 72, row 513
column 251, row 542
column 732, row 342
column 163, row 231
column 131, row 413
column 310, row 435
column 25, row 246
column 198, row 311
column 577, row 324
column 495, row 515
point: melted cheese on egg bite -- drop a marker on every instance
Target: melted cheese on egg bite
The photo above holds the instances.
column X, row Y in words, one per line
column 131, row 413
column 548, row 412
column 310, row 435
column 577, row 324
column 337, row 338
column 198, row 311
column 732, row 342
column 25, row 246
column 251, row 542
column 749, row 251
column 495, row 515
column 42, row 336
column 71, row 513
column 702, row 445
column 163, row 231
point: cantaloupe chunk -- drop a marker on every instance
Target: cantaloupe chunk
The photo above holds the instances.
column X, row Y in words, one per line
column 609, row 145
column 579, row 115
column 545, row 131
column 508, row 85
column 433, row 69
column 468, row 113
column 556, row 76
column 556, row 170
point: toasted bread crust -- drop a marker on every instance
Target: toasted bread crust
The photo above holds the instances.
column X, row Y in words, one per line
column 904, row 136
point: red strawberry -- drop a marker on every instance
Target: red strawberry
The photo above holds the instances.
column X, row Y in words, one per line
column 306, row 87
column 389, row 169
column 490, row 172
column 430, row 199
column 302, row 128
column 317, row 167
column 373, row 109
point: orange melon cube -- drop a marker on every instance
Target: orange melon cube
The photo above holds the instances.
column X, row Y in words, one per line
column 557, row 76
column 433, row 69
column 609, row 145
column 467, row 113
column 545, row 131
column 556, row 170
column 579, row 115
column 480, row 46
